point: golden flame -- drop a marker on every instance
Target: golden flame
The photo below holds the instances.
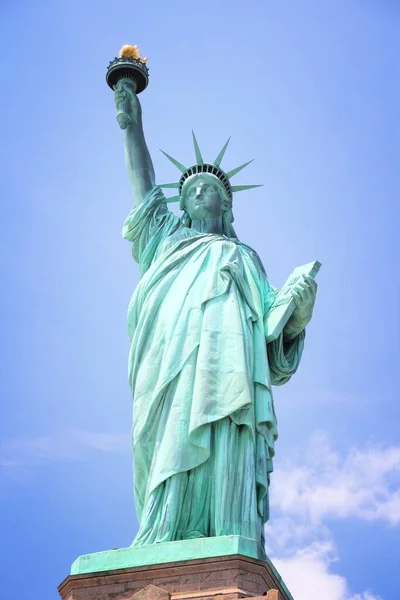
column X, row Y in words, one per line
column 127, row 50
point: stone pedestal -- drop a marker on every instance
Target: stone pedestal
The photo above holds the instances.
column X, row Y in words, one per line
column 215, row 578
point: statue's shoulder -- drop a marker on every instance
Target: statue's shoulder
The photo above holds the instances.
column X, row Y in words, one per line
column 252, row 254
column 175, row 236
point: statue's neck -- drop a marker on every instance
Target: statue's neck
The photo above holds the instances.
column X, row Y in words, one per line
column 208, row 225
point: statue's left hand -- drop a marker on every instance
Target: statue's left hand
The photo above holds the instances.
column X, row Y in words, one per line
column 304, row 293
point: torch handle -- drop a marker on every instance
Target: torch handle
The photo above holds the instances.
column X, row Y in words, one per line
column 124, row 114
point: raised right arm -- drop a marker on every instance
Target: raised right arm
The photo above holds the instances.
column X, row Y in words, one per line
column 137, row 156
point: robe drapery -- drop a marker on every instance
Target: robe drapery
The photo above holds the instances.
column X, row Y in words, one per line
column 201, row 372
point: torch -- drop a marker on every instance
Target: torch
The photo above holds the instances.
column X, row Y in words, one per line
column 131, row 66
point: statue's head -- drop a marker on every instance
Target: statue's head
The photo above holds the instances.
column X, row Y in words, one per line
column 203, row 197
column 205, row 190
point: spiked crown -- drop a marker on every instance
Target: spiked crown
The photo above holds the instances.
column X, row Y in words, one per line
column 206, row 167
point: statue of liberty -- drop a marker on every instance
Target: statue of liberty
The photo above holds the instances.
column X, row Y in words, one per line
column 201, row 368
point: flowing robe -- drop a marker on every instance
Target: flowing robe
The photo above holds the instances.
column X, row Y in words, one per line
column 200, row 371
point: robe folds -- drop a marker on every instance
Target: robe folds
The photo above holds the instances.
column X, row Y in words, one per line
column 201, row 372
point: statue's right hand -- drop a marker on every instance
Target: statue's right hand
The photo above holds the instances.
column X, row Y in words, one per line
column 127, row 103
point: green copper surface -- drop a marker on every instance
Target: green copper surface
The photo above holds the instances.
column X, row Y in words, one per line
column 206, row 348
column 129, row 67
column 197, row 151
column 201, row 166
column 155, row 554
column 169, row 552
column 221, row 155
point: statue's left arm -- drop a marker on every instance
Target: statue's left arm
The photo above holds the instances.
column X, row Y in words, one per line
column 285, row 352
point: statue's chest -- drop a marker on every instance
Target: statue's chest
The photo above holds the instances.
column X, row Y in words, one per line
column 201, row 268
column 185, row 242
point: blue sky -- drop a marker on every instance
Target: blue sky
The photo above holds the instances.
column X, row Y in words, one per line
column 311, row 91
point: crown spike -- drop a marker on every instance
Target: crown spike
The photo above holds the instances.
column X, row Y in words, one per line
column 169, row 185
column 173, row 199
column 234, row 171
column 220, row 156
column 199, row 157
column 179, row 166
column 241, row 188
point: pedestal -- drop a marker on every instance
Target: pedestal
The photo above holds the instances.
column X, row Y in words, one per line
column 219, row 577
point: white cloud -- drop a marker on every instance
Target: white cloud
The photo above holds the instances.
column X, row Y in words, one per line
column 21, row 457
column 322, row 484
column 70, row 444
column 363, row 484
column 365, row 596
column 307, row 574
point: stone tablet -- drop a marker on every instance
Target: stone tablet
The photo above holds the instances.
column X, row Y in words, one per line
column 283, row 306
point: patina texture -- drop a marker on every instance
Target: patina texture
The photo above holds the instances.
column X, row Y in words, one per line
column 200, row 368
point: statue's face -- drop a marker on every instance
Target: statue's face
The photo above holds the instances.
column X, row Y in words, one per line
column 203, row 198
